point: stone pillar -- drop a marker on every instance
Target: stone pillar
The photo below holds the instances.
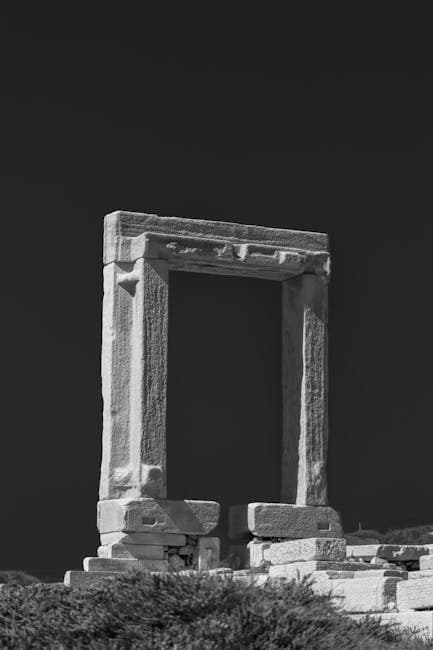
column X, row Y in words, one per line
column 134, row 377
column 305, row 390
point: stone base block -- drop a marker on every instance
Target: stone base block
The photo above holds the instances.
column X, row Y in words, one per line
column 207, row 553
column 113, row 565
column 415, row 594
column 420, row 623
column 153, row 539
column 131, row 552
column 85, row 579
column 283, row 520
column 389, row 552
column 157, row 516
column 304, row 550
column 298, row 570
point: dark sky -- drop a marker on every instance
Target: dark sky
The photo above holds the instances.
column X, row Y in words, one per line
column 309, row 119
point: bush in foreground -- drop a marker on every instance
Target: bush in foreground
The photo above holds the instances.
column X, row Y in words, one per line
column 192, row 612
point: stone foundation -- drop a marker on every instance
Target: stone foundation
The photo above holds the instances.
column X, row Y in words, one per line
column 382, row 580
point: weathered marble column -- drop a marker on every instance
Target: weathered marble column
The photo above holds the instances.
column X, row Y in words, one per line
column 305, row 390
column 134, row 377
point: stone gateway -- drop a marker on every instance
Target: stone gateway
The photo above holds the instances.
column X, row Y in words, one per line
column 139, row 526
column 140, row 529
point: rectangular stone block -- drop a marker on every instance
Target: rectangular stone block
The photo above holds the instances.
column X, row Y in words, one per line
column 84, row 579
column 207, row 553
column 426, row 562
column 363, row 595
column 414, row 575
column 112, row 565
column 297, row 570
column 153, row 539
column 333, row 575
column 131, row 552
column 157, row 516
column 304, row 550
column 358, row 540
column 389, row 552
column 382, row 573
column 364, row 551
column 256, row 579
column 283, row 520
column 221, row 571
column 256, row 554
column 415, row 594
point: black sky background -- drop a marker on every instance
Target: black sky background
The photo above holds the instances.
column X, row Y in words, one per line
column 316, row 119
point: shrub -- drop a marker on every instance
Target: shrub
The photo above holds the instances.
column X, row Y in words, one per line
column 412, row 535
column 17, row 577
column 183, row 612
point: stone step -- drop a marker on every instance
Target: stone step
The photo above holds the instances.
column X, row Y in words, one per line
column 112, row 565
column 84, row 578
column 304, row 550
column 153, row 539
column 131, row 551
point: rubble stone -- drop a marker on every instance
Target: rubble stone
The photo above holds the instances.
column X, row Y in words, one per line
column 176, row 563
